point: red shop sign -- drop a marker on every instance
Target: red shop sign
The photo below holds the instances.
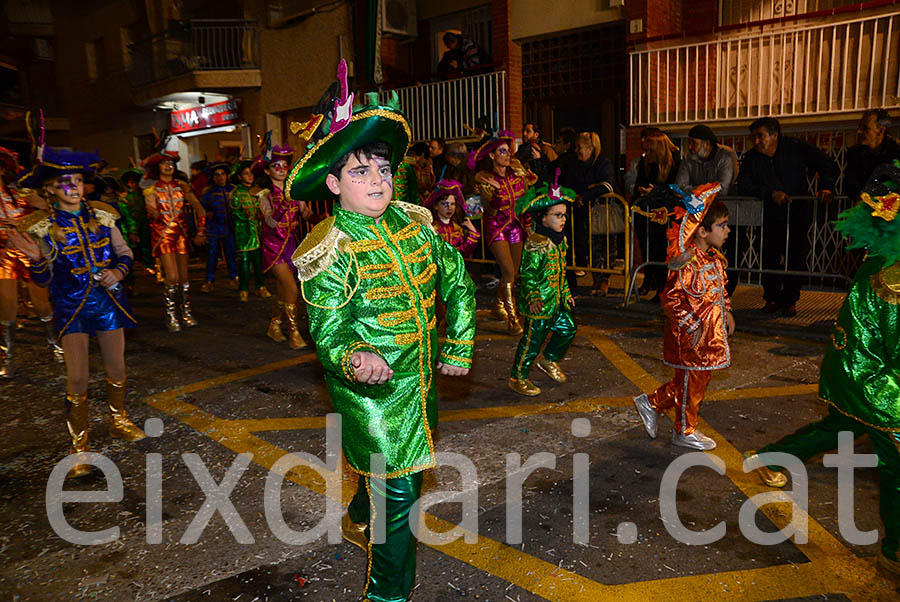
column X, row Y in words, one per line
column 206, row 116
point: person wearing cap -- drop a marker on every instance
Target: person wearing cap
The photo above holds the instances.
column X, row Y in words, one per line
column 281, row 219
column 706, row 161
column 167, row 201
column 698, row 317
column 500, row 188
column 76, row 250
column 246, row 213
column 859, row 380
column 447, row 203
column 216, row 200
column 544, row 297
column 15, row 205
column 371, row 275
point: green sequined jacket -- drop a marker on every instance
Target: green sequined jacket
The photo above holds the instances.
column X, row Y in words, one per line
column 371, row 286
column 543, row 273
column 860, row 373
column 246, row 214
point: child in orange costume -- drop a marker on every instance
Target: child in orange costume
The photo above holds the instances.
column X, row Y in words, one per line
column 699, row 319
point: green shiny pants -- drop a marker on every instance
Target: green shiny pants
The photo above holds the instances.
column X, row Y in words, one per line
column 562, row 325
column 249, row 261
column 822, row 436
column 392, row 564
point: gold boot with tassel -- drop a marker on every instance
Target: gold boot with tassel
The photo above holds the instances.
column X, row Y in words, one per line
column 275, row 323
column 295, row 340
column 498, row 311
column 77, row 423
column 509, row 303
column 186, row 315
column 120, row 427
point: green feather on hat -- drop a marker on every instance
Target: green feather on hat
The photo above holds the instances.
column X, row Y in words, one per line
column 344, row 129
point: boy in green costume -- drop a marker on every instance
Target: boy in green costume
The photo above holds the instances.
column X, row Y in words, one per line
column 545, row 300
column 245, row 213
column 370, row 275
column 860, row 374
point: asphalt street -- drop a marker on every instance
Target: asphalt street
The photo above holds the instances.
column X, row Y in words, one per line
column 224, row 389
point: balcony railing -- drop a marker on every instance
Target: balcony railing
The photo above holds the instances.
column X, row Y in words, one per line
column 833, row 68
column 198, row 45
column 445, row 108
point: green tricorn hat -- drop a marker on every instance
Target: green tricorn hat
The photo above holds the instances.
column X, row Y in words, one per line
column 337, row 128
column 546, row 195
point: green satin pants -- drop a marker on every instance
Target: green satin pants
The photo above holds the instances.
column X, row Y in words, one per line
column 392, row 564
column 249, row 261
column 562, row 327
column 822, row 436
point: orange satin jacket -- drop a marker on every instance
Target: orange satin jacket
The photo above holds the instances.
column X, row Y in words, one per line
column 695, row 302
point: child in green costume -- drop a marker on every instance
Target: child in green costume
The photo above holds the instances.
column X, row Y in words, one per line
column 545, row 300
column 370, row 276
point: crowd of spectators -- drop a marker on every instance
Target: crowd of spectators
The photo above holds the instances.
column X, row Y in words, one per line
column 779, row 170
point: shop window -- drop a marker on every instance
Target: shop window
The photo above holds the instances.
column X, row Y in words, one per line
column 589, row 61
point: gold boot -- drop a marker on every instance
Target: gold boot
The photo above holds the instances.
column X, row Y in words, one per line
column 9, row 340
column 523, row 386
column 172, row 322
column 120, row 427
column 243, row 296
column 498, row 311
column 551, row 369
column 263, row 292
column 275, row 323
column 770, row 477
column 295, row 340
column 186, row 315
column 355, row 533
column 509, row 303
column 77, row 423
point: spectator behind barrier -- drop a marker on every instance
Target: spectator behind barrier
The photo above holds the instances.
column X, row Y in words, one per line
column 707, row 161
column 873, row 147
column 776, row 170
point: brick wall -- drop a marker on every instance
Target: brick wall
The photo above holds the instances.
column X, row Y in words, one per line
column 508, row 56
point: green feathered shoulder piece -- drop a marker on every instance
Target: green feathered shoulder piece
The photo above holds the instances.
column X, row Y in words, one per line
column 872, row 224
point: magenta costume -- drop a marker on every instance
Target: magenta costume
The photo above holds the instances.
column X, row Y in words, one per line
column 280, row 230
column 500, row 220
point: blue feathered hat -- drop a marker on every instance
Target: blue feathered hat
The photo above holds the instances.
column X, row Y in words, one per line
column 52, row 162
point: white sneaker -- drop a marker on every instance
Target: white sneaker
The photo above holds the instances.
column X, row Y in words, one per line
column 647, row 413
column 695, row 440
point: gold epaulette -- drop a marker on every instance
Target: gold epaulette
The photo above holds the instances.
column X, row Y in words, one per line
column 100, row 208
column 36, row 223
column 149, row 190
column 538, row 243
column 886, row 284
column 416, row 213
column 319, row 250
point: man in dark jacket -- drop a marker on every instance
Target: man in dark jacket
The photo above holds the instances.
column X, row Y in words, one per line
column 873, row 147
column 776, row 170
column 535, row 154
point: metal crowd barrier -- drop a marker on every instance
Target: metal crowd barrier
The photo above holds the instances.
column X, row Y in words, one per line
column 828, row 265
column 583, row 242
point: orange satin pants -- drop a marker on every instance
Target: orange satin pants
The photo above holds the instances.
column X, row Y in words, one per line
column 684, row 393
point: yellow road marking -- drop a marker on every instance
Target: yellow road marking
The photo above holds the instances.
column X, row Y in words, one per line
column 835, row 564
column 827, row 573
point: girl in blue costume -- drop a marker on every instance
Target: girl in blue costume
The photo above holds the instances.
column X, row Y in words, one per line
column 78, row 252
